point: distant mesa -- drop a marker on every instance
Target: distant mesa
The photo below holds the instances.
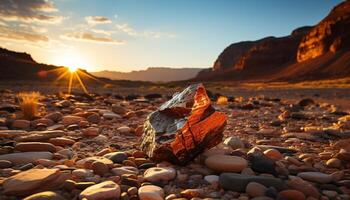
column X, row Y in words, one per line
column 153, row 74
column 308, row 53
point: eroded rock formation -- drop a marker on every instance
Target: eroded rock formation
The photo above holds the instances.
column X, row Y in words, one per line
column 183, row 127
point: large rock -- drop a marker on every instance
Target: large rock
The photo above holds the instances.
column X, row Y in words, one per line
column 39, row 136
column 26, row 157
column 104, row 190
column 226, row 163
column 239, row 182
column 183, row 127
column 32, row 181
column 35, row 146
column 48, row 195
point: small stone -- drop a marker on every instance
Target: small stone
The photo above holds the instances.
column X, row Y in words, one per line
column 33, row 180
column 117, row 157
column 94, row 118
column 239, row 182
column 99, row 168
column 254, row 189
column 48, row 195
column 61, row 141
column 5, row 164
column 212, row 179
column 83, row 173
column 26, row 157
column 334, row 163
column 304, row 186
column 21, row 124
column 125, row 170
column 317, row 177
column 55, row 116
column 91, row 131
column 156, row 174
column 226, row 163
column 151, row 192
column 132, row 191
column 192, row 193
column 118, row 109
column 234, row 143
column 34, row 146
column 104, row 190
column 273, row 154
column 292, row 195
column 71, row 119
column 124, row 130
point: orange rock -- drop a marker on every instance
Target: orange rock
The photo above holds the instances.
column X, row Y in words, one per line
column 183, row 127
column 273, row 154
column 292, row 195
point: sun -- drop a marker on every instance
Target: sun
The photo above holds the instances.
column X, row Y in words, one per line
column 71, row 59
column 72, row 69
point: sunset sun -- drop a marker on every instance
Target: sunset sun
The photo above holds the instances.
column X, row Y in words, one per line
column 72, row 69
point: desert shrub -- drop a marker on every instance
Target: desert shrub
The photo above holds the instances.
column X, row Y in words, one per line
column 222, row 100
column 28, row 102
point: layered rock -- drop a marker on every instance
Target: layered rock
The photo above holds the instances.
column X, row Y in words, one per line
column 330, row 35
column 308, row 53
column 183, row 127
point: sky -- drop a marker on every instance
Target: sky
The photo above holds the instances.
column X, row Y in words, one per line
column 126, row 35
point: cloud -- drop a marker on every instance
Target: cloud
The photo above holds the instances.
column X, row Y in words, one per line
column 85, row 36
column 10, row 33
column 97, row 20
column 126, row 28
column 29, row 11
column 100, row 31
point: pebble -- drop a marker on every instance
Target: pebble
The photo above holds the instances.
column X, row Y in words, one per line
column 124, row 130
column 156, row 174
column 35, row 146
column 234, row 143
column 21, row 124
column 226, row 163
column 317, row 177
column 292, row 195
column 33, row 180
column 83, row 173
column 61, row 141
column 254, row 189
column 125, row 170
column 239, row 182
column 5, row 164
column 117, row 157
column 273, row 154
column 55, row 116
column 104, row 190
column 151, row 192
column 71, row 119
column 48, row 195
column 334, row 163
column 91, row 131
column 26, row 157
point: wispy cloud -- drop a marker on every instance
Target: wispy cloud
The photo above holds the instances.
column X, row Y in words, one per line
column 97, row 20
column 29, row 11
column 126, row 28
column 89, row 37
column 101, row 31
column 10, row 33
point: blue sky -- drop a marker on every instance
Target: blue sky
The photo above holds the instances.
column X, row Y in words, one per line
column 137, row 34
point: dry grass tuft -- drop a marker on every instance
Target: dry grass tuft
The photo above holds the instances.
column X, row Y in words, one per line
column 222, row 100
column 28, row 102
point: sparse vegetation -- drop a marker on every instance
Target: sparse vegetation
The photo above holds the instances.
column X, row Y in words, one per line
column 222, row 100
column 28, row 102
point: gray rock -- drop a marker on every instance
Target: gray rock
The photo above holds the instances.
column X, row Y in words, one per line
column 26, row 157
column 238, row 182
column 116, row 157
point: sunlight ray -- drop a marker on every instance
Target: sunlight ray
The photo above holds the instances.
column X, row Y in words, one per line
column 81, row 83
